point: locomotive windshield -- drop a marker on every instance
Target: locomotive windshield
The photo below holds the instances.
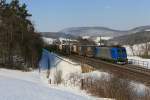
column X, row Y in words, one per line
column 121, row 52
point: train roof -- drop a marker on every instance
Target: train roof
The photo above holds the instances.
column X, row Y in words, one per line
column 112, row 46
column 117, row 46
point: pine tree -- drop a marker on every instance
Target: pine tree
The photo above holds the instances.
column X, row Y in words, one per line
column 17, row 34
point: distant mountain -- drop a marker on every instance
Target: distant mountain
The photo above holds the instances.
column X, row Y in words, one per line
column 56, row 35
column 118, row 35
column 140, row 29
column 92, row 31
column 101, row 31
column 130, row 39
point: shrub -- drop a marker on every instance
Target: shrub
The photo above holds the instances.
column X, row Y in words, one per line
column 58, row 77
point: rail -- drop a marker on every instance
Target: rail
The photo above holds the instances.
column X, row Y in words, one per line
column 65, row 60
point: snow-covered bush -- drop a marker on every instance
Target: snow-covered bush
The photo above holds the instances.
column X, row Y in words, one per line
column 58, row 77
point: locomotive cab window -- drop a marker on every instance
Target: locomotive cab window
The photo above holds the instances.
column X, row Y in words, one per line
column 119, row 51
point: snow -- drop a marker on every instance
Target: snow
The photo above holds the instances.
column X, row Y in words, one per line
column 136, row 49
column 24, row 76
column 69, row 71
column 140, row 61
column 64, row 40
column 69, row 68
column 65, row 67
column 97, row 39
column 17, row 85
column 133, row 55
column 147, row 30
column 48, row 40
column 96, row 75
column 139, row 88
column 85, row 37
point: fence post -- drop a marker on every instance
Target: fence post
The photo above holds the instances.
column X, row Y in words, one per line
column 50, row 81
column 82, row 83
column 91, row 82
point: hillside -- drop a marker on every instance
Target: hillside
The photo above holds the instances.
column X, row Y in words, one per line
column 136, row 38
column 55, row 35
column 92, row 31
column 119, row 36
column 18, row 85
column 52, row 34
column 101, row 31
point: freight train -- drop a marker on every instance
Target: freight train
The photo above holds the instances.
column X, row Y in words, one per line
column 115, row 54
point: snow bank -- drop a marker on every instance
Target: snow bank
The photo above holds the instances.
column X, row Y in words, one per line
column 140, row 61
column 139, row 88
column 71, row 74
column 17, row 85
column 69, row 69
column 72, row 70
column 137, row 49
column 96, row 75
column 24, row 76
column 66, row 68
column 48, row 40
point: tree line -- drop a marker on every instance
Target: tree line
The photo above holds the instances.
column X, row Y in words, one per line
column 20, row 45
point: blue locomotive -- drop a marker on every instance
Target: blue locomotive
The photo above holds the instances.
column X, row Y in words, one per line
column 113, row 54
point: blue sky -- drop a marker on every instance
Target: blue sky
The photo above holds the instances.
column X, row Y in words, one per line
column 55, row 15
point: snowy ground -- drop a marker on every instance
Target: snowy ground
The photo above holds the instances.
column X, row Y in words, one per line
column 17, row 85
column 65, row 67
column 68, row 68
column 140, row 61
column 137, row 50
column 48, row 40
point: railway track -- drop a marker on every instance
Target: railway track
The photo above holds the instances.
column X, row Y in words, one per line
column 128, row 71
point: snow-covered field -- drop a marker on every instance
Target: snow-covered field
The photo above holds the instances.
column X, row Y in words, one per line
column 17, row 85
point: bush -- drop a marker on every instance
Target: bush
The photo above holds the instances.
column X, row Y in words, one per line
column 58, row 77
column 118, row 89
column 112, row 88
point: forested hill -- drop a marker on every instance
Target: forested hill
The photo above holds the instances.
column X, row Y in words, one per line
column 102, row 31
column 136, row 38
